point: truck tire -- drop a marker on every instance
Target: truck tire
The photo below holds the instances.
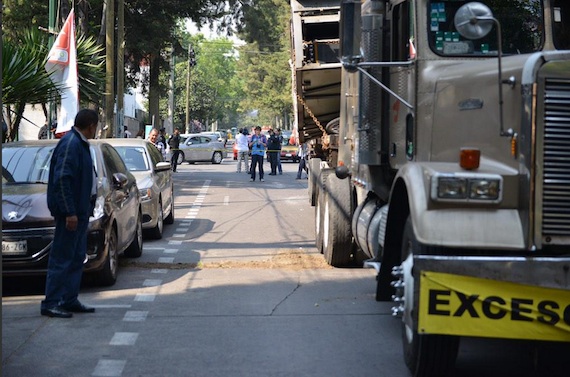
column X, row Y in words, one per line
column 314, row 167
column 337, row 235
column 321, row 192
column 425, row 355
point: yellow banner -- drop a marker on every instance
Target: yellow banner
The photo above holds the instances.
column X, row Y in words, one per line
column 462, row 305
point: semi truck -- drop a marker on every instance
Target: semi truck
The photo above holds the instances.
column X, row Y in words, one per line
column 440, row 156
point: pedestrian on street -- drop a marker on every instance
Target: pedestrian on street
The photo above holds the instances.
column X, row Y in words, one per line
column 174, row 143
column 128, row 133
column 273, row 151
column 258, row 143
column 302, row 153
column 242, row 150
column 153, row 137
column 71, row 192
column 280, row 137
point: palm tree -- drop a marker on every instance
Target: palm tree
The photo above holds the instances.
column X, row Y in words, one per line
column 25, row 80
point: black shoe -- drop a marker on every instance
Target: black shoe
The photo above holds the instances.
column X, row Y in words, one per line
column 271, row 173
column 79, row 308
column 56, row 312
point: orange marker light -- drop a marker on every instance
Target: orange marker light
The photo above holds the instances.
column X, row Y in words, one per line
column 469, row 158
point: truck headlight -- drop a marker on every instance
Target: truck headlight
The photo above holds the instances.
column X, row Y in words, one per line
column 484, row 189
column 465, row 187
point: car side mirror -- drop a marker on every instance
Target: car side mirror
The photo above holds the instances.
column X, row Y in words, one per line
column 119, row 180
column 162, row 166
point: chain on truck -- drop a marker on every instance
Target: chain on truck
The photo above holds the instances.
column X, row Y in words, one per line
column 440, row 155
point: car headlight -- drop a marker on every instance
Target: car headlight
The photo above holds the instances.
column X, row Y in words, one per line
column 460, row 187
column 99, row 209
column 146, row 194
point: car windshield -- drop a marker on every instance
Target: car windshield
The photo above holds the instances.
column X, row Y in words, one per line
column 521, row 28
column 29, row 164
column 135, row 158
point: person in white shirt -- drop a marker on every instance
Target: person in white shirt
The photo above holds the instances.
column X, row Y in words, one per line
column 242, row 149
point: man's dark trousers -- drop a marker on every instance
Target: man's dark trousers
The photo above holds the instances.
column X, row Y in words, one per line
column 273, row 161
column 174, row 159
column 65, row 264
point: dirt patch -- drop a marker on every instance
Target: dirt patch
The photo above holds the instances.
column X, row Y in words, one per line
column 286, row 259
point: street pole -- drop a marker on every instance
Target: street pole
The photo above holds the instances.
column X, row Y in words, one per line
column 110, row 67
column 120, row 67
column 171, row 91
column 188, row 90
column 51, row 39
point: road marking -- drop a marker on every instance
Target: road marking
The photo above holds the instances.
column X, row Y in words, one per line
column 109, row 368
column 158, row 271
column 170, row 251
column 226, row 200
column 124, row 339
column 145, row 297
column 179, row 235
column 182, row 230
column 135, row 316
column 165, row 260
column 152, row 282
column 175, row 242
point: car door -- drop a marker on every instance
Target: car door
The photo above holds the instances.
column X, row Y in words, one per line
column 124, row 199
column 162, row 178
column 206, row 147
column 193, row 147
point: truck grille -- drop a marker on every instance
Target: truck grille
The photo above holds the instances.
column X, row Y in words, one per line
column 556, row 184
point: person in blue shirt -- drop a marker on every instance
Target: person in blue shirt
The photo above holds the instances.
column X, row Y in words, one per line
column 258, row 143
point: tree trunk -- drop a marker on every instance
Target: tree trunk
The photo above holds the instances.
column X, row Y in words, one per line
column 154, row 90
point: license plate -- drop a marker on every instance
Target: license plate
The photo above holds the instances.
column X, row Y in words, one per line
column 17, row 247
column 288, row 155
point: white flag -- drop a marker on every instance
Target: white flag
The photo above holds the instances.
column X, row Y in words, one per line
column 62, row 67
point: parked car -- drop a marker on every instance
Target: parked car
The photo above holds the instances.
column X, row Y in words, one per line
column 289, row 151
column 201, row 148
column 154, row 179
column 28, row 227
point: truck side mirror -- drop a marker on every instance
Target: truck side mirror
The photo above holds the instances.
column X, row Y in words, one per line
column 473, row 20
column 350, row 23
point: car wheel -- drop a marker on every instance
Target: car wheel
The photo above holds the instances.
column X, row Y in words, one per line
column 135, row 248
column 170, row 218
column 217, row 158
column 108, row 275
column 425, row 355
column 180, row 157
column 156, row 232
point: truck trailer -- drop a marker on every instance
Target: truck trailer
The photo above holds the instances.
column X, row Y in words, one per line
column 445, row 163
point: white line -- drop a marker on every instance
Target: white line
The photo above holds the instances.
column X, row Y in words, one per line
column 109, row 368
column 124, row 339
column 170, row 251
column 158, row 271
column 145, row 297
column 226, row 200
column 165, row 260
column 179, row 235
column 135, row 316
column 175, row 242
column 182, row 230
column 152, row 282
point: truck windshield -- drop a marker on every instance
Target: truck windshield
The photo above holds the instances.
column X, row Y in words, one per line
column 521, row 27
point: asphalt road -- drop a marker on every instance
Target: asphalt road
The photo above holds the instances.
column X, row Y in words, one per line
column 234, row 288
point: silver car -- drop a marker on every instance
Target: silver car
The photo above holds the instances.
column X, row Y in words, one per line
column 154, row 179
column 201, row 148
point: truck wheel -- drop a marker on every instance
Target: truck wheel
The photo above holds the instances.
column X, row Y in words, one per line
column 425, row 355
column 321, row 192
column 337, row 237
column 314, row 166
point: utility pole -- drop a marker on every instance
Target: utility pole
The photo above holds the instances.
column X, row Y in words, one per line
column 110, row 66
column 191, row 63
column 120, row 67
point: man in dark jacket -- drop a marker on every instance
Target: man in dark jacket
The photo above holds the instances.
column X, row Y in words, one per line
column 174, row 144
column 71, row 188
column 273, row 150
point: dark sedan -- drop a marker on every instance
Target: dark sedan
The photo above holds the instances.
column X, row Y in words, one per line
column 28, row 227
